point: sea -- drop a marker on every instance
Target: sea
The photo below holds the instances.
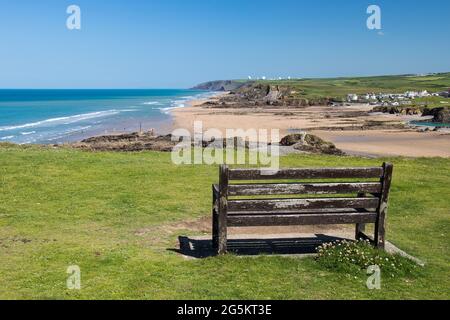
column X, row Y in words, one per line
column 61, row 116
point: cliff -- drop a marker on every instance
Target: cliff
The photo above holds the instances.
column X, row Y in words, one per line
column 220, row 85
column 254, row 93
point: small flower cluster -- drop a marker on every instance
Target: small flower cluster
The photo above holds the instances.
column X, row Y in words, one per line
column 360, row 255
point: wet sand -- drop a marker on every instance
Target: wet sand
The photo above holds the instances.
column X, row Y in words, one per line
column 340, row 125
column 390, row 143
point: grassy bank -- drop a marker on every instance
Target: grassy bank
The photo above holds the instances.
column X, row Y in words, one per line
column 340, row 87
column 118, row 216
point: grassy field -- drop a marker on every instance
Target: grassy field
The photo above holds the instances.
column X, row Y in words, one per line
column 340, row 87
column 432, row 102
column 118, row 215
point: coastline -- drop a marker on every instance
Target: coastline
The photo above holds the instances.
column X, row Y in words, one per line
column 349, row 128
column 74, row 115
column 354, row 129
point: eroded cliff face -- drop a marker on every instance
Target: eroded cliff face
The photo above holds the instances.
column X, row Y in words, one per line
column 220, row 85
column 258, row 94
column 440, row 115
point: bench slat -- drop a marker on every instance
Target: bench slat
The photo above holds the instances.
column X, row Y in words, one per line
column 310, row 219
column 298, row 212
column 299, row 204
column 305, row 173
column 302, row 188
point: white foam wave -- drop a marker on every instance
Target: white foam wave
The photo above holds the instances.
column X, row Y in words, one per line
column 6, row 138
column 68, row 132
column 27, row 133
column 129, row 110
column 63, row 120
column 181, row 103
column 167, row 110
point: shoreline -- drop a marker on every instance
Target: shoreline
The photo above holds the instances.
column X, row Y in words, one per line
column 109, row 112
column 353, row 129
column 382, row 134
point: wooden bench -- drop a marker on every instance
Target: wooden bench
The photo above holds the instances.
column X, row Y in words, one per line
column 360, row 196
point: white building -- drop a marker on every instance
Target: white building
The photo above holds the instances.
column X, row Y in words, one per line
column 352, row 97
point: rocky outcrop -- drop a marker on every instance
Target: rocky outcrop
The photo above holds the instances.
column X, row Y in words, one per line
column 310, row 143
column 399, row 110
column 148, row 141
column 274, row 95
column 251, row 94
column 127, row 142
column 440, row 115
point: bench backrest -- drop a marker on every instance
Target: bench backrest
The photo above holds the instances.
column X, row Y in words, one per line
column 305, row 190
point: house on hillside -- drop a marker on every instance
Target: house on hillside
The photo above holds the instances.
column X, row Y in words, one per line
column 411, row 94
column 445, row 94
column 352, row 97
column 424, row 93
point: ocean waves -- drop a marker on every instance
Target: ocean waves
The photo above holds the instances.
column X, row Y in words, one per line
column 62, row 120
column 185, row 100
column 36, row 117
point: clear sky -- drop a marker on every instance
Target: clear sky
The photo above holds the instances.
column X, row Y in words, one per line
column 179, row 43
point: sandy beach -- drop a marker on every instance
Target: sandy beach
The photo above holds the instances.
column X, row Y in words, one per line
column 351, row 128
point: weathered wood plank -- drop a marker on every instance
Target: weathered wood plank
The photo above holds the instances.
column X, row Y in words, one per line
column 380, row 228
column 223, row 209
column 312, row 219
column 307, row 211
column 299, row 204
column 215, row 217
column 306, row 173
column 302, row 188
column 360, row 228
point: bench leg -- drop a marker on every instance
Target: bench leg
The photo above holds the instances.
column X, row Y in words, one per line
column 222, row 234
column 380, row 226
column 222, row 209
column 360, row 227
column 219, row 226
column 215, row 220
column 379, row 236
column 359, row 231
column 215, row 231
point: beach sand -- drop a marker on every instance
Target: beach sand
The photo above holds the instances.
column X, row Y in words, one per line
column 385, row 138
column 390, row 143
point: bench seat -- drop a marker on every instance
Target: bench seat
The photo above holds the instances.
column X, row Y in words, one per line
column 309, row 203
column 287, row 219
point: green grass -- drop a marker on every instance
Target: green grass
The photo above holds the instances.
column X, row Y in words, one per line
column 432, row 102
column 340, row 87
column 114, row 215
column 353, row 256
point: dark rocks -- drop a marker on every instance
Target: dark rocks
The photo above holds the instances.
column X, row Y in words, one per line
column 440, row 115
column 147, row 141
column 254, row 94
column 310, row 143
column 291, row 139
column 128, row 142
column 398, row 110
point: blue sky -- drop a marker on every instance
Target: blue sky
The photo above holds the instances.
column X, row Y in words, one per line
column 178, row 43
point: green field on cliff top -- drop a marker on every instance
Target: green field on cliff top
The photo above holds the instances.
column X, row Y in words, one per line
column 118, row 217
column 340, row 87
